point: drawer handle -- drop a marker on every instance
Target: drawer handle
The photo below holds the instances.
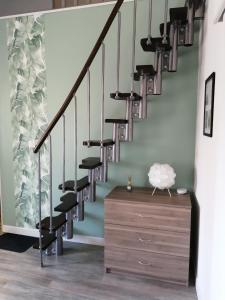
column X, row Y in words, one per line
column 143, row 263
column 144, row 241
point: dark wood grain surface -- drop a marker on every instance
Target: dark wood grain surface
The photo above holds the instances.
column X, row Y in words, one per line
column 164, row 242
column 145, row 195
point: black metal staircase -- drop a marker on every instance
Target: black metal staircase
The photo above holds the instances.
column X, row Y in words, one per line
column 178, row 31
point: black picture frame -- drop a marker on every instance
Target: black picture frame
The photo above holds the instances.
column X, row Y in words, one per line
column 209, row 105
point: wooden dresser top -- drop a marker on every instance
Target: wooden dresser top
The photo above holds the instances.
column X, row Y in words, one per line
column 144, row 195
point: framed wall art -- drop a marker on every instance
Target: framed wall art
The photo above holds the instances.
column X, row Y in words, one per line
column 209, row 105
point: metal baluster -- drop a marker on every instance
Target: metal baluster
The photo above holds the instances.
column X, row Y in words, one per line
column 164, row 41
column 50, row 181
column 118, row 55
column 149, row 22
column 103, row 171
column 75, row 143
column 64, row 153
column 133, row 46
column 80, row 201
column 103, row 94
column 89, row 106
column 39, row 190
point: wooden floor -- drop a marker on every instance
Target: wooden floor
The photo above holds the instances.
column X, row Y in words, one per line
column 77, row 275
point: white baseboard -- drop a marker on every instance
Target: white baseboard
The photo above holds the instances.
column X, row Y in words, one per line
column 84, row 239
column 20, row 230
column 81, row 239
column 197, row 289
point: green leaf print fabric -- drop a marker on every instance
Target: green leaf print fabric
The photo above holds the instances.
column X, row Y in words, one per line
column 27, row 72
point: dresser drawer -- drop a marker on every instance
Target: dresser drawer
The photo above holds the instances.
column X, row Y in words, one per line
column 148, row 216
column 164, row 242
column 162, row 267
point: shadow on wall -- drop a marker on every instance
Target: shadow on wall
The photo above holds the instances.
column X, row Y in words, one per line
column 195, row 221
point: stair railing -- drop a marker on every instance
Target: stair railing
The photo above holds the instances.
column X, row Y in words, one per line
column 133, row 46
column 165, row 22
column 81, row 76
column 118, row 55
column 75, row 143
column 39, row 206
column 89, row 105
column 129, row 113
column 61, row 114
column 149, row 22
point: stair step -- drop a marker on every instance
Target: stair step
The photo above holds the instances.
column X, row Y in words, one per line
column 90, row 163
column 136, row 76
column 117, row 121
column 125, row 96
column 146, row 69
column 156, row 44
column 69, row 201
column 179, row 14
column 46, row 240
column 161, row 28
column 97, row 143
column 81, row 184
column 57, row 222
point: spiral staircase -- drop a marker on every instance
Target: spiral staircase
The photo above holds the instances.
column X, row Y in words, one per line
column 176, row 32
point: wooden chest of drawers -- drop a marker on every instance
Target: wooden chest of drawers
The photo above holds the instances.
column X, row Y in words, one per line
column 147, row 234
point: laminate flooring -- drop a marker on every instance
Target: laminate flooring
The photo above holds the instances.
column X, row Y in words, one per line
column 77, row 275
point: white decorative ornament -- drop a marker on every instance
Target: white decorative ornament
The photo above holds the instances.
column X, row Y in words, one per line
column 161, row 176
column 182, row 191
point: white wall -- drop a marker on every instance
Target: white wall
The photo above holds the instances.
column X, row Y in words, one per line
column 12, row 7
column 210, row 162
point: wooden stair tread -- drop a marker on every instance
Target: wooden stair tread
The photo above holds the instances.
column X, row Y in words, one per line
column 90, row 163
column 156, row 44
column 97, row 143
column 136, row 76
column 47, row 239
column 146, row 69
column 125, row 96
column 117, row 121
column 81, row 184
column 69, row 201
column 178, row 14
column 57, row 222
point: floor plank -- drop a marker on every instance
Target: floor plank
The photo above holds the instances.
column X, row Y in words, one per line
column 78, row 275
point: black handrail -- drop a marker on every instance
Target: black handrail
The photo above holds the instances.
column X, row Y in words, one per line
column 81, row 76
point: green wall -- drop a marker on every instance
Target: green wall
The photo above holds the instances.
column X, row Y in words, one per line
column 6, row 154
column 167, row 136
